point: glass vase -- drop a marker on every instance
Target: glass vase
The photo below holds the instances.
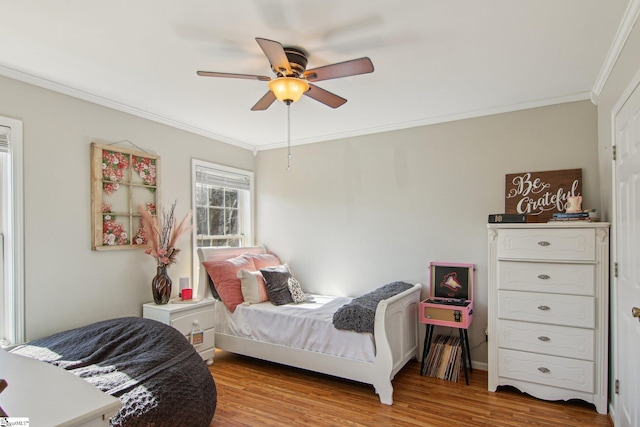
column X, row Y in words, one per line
column 161, row 286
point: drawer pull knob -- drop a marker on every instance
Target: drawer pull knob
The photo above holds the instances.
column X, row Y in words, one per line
column 543, row 307
column 544, row 370
column 544, row 277
column 544, row 243
column 543, row 338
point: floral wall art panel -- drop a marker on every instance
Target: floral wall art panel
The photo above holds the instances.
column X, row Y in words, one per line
column 121, row 180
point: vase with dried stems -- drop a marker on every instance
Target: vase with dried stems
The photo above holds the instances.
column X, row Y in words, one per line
column 161, row 237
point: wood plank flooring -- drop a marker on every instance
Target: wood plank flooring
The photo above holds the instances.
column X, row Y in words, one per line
column 252, row 392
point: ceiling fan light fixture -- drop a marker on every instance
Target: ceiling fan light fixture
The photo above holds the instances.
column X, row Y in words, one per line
column 288, row 89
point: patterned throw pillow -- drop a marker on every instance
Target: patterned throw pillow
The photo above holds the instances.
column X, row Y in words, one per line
column 296, row 290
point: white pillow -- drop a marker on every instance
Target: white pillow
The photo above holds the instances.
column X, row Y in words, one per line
column 252, row 286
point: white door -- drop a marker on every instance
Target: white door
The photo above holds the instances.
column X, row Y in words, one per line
column 627, row 166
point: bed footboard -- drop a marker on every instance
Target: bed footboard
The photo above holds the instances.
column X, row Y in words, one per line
column 396, row 336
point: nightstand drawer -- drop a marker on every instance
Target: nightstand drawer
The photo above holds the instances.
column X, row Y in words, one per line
column 574, row 279
column 567, row 310
column 207, row 342
column 205, row 319
column 548, row 370
column 547, row 244
column 577, row 343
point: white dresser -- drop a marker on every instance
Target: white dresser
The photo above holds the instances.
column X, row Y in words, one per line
column 548, row 310
column 197, row 318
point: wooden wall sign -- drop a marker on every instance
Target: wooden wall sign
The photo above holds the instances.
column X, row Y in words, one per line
column 541, row 193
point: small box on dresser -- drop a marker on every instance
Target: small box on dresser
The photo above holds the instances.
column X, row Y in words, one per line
column 548, row 310
column 189, row 318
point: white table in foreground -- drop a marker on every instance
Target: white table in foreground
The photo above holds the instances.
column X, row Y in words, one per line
column 51, row 396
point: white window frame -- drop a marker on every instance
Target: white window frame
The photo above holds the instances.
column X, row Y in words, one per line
column 247, row 207
column 12, row 330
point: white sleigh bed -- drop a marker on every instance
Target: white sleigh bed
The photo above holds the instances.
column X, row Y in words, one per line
column 395, row 337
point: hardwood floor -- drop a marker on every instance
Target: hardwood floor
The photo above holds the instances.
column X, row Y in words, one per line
column 252, row 392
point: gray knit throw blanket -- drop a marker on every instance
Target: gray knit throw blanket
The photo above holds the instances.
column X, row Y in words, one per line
column 359, row 315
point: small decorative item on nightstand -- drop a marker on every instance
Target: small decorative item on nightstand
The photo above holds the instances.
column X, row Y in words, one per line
column 161, row 286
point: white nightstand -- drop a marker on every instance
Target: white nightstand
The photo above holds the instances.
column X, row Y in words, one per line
column 188, row 318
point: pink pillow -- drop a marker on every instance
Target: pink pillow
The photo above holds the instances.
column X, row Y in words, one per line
column 225, row 278
column 264, row 260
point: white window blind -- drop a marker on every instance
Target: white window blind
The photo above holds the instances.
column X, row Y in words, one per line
column 219, row 178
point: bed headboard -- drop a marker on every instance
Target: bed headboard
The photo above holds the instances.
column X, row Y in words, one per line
column 219, row 254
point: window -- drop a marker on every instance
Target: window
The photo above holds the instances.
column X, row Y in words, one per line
column 222, row 206
column 11, row 234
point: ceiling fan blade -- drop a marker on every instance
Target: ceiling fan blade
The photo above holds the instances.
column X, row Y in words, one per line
column 233, row 76
column 276, row 56
column 324, row 96
column 264, row 102
column 341, row 69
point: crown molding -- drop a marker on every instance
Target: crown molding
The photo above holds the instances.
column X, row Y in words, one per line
column 110, row 103
column 67, row 90
column 624, row 30
column 433, row 120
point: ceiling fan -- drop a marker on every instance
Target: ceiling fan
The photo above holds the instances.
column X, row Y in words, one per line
column 292, row 78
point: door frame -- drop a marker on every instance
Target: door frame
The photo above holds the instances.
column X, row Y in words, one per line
column 613, row 301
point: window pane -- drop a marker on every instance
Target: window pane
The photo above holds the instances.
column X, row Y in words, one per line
column 231, row 221
column 216, row 197
column 216, row 221
column 235, row 243
column 201, row 220
column 201, row 195
column 231, row 199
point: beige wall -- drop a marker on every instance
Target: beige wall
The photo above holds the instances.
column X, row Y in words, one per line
column 67, row 284
column 357, row 213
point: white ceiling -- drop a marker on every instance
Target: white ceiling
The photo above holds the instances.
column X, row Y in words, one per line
column 435, row 60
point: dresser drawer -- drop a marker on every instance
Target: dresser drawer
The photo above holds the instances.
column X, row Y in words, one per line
column 548, row 370
column 575, row 279
column 571, row 244
column 184, row 322
column 553, row 340
column 567, row 310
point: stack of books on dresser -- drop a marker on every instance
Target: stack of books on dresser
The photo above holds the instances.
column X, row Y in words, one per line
column 586, row 215
column 505, row 218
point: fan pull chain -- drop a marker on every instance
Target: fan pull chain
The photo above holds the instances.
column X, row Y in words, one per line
column 288, row 136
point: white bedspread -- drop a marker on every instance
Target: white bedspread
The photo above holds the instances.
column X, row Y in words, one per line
column 307, row 325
